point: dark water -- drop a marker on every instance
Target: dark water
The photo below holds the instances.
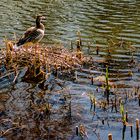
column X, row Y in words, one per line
column 98, row 21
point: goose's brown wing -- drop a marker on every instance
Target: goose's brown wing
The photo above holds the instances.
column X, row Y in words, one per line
column 31, row 35
column 28, row 31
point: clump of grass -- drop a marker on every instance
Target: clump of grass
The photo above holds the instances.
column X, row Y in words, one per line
column 39, row 60
column 125, row 120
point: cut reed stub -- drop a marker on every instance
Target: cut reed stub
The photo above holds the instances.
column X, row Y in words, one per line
column 137, row 129
column 110, row 137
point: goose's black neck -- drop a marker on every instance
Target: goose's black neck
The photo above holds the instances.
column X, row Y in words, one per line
column 39, row 25
column 38, row 22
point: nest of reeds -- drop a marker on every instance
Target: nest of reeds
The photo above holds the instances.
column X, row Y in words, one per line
column 38, row 61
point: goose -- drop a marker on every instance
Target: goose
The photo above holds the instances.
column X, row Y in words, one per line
column 32, row 35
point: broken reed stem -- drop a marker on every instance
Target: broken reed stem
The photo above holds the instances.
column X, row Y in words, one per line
column 77, row 130
column 15, row 77
column 137, row 129
column 110, row 137
column 88, row 51
column 5, row 132
column 126, row 116
column 139, row 99
column 116, row 104
column 78, row 45
column 71, row 46
column 94, row 105
column 107, row 90
column 131, row 131
column 70, row 115
column 97, row 50
column 92, row 82
column 76, row 77
column 123, row 131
